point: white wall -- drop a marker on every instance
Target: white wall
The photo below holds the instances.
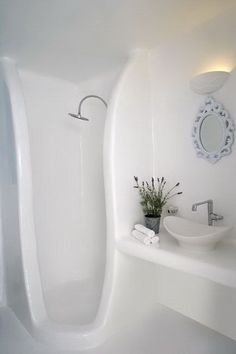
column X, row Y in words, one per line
column 129, row 286
column 68, row 187
column 2, row 283
column 8, row 192
column 15, row 202
column 174, row 107
column 131, row 142
column 61, row 152
column 204, row 301
column 54, row 168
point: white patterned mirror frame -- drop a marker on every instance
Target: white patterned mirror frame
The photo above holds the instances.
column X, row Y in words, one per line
column 211, row 107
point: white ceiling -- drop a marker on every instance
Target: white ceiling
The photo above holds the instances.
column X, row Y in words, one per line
column 79, row 39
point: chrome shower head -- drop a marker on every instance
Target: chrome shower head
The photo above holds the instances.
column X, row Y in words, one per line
column 78, row 115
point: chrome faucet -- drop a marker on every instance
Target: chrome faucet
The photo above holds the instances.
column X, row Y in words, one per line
column 211, row 215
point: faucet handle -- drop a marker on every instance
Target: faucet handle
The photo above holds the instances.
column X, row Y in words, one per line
column 216, row 217
column 172, row 210
column 211, row 216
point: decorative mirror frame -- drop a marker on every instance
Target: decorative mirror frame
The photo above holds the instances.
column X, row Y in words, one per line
column 213, row 107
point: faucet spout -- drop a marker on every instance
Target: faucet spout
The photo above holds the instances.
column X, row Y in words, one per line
column 194, row 207
column 211, row 216
column 209, row 203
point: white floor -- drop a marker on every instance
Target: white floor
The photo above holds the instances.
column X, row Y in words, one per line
column 164, row 332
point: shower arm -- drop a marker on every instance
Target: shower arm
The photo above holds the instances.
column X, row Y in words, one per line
column 90, row 96
column 78, row 115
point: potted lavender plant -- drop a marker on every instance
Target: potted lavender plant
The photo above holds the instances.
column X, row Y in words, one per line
column 153, row 198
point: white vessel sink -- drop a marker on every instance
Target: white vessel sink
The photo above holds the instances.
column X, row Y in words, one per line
column 194, row 236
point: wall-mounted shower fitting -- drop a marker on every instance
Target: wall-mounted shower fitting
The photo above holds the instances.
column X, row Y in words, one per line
column 79, row 115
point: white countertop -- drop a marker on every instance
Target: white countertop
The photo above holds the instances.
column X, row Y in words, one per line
column 218, row 265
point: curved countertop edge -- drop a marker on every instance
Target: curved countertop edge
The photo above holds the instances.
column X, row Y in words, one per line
column 218, row 265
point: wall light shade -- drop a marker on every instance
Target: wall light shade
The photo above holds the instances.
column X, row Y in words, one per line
column 208, row 82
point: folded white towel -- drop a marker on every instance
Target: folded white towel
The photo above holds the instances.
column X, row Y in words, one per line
column 144, row 230
column 155, row 239
column 146, row 240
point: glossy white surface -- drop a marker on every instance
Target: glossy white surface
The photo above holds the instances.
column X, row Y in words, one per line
column 134, row 119
column 174, row 108
column 65, row 317
column 95, row 37
column 20, row 249
column 218, row 266
column 71, row 254
column 38, row 304
column 150, row 336
column 128, row 154
column 208, row 82
column 194, row 236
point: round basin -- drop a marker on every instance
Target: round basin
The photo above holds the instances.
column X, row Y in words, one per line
column 195, row 236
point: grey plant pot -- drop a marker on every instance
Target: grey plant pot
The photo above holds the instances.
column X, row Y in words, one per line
column 153, row 223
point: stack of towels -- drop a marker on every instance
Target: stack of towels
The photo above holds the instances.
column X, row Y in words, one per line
column 144, row 235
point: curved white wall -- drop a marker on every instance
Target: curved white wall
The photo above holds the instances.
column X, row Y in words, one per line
column 25, row 282
column 127, row 152
column 131, row 151
column 23, row 285
column 50, row 96
column 68, row 190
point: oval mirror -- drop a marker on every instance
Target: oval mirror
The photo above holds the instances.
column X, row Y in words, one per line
column 213, row 131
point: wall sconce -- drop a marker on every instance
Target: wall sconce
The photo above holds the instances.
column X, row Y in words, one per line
column 208, row 82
